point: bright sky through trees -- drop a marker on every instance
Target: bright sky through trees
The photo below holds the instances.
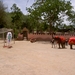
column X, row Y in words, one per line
column 22, row 4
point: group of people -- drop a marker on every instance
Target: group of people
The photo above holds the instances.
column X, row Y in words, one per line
column 8, row 40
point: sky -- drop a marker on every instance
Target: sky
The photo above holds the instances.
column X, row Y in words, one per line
column 22, row 4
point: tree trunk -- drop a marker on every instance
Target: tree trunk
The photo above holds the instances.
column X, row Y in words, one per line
column 50, row 29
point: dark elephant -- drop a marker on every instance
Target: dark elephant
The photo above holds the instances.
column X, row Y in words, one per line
column 60, row 40
column 71, row 42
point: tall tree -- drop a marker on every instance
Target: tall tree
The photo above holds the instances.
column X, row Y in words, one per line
column 51, row 11
column 2, row 14
column 16, row 17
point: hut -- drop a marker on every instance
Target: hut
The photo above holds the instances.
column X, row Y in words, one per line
column 25, row 33
column 3, row 32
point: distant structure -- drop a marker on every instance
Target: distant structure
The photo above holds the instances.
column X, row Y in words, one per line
column 25, row 32
column 3, row 32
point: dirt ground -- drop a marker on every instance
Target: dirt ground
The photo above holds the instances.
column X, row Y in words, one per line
column 39, row 58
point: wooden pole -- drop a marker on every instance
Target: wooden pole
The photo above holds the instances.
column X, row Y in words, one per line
column 3, row 38
column 13, row 37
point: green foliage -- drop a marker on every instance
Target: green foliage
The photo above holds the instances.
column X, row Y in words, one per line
column 16, row 18
column 8, row 20
column 2, row 14
column 51, row 12
column 44, row 15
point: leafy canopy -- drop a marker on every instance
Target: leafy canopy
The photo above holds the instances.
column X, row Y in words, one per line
column 51, row 11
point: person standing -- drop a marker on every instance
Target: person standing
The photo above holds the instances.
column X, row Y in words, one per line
column 9, row 38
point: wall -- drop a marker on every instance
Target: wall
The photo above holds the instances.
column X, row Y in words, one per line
column 47, row 37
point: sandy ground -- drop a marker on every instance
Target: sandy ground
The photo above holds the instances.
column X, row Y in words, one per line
column 37, row 58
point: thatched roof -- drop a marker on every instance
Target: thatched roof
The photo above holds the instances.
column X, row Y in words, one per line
column 25, row 29
column 4, row 30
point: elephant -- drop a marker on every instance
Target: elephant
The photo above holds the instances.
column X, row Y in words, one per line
column 71, row 42
column 61, row 41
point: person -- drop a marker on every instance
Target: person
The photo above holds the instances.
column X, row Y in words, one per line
column 9, row 38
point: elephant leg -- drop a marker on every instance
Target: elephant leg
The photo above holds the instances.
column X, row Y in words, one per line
column 63, row 45
column 59, row 45
column 71, row 47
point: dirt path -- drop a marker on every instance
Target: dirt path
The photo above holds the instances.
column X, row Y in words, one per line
column 37, row 58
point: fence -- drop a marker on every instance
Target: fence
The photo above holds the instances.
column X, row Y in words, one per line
column 48, row 37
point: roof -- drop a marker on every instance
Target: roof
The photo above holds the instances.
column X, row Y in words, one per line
column 4, row 30
column 25, row 29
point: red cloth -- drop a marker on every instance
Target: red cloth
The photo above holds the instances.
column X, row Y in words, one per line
column 72, row 40
column 61, row 37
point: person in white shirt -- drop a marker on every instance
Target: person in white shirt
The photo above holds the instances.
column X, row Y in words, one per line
column 8, row 38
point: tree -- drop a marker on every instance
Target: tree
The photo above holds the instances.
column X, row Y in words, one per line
column 51, row 12
column 16, row 18
column 28, row 23
column 2, row 14
column 8, row 20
